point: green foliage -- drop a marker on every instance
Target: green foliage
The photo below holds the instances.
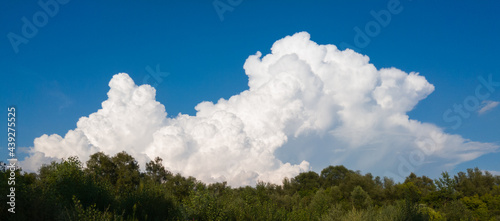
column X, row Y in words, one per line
column 456, row 210
column 360, row 199
column 79, row 213
column 127, row 172
column 101, row 168
column 431, row 214
column 478, row 208
column 474, row 182
column 204, row 205
column 335, row 213
column 113, row 188
column 156, row 172
column 321, row 202
column 446, row 186
column 424, row 184
column 150, row 203
column 306, row 183
column 334, row 175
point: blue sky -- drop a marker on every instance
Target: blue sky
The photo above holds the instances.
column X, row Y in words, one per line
column 62, row 72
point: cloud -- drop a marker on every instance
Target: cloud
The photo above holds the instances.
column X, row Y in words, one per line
column 487, row 106
column 493, row 172
column 307, row 106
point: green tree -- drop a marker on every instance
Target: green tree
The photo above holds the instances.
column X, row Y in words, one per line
column 57, row 184
column 478, row 208
column 150, row 202
column 474, row 182
column 101, row 168
column 157, row 172
column 334, row 175
column 181, row 186
column 423, row 183
column 127, row 172
column 306, row 183
column 456, row 210
column 321, row 202
column 446, row 188
column 360, row 199
column 411, row 196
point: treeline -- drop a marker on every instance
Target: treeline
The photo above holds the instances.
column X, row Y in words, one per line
column 113, row 188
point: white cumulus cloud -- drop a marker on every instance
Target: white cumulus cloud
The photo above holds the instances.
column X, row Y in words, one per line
column 307, row 106
column 487, row 106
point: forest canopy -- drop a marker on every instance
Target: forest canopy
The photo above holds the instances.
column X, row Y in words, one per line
column 114, row 188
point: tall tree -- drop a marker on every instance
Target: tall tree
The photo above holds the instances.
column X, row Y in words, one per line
column 127, row 172
column 306, row 183
column 102, row 168
column 360, row 199
column 157, row 172
column 334, row 175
